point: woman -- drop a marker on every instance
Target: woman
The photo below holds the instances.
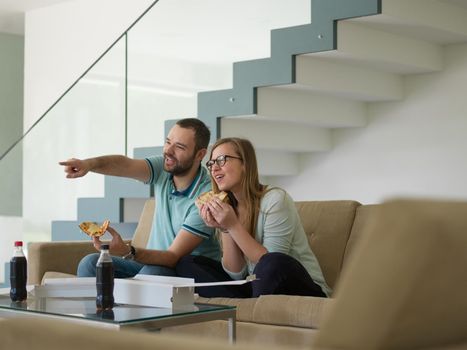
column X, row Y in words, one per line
column 260, row 232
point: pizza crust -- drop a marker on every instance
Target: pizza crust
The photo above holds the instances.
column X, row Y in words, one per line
column 92, row 229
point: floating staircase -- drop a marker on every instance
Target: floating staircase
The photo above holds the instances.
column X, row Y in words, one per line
column 320, row 77
column 332, row 85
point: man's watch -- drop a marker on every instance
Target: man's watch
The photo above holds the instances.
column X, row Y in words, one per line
column 131, row 255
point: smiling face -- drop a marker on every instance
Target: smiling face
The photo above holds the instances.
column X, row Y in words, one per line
column 229, row 176
column 179, row 151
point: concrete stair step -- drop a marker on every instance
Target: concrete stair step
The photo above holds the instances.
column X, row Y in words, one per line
column 120, row 187
column 280, row 136
column 309, row 108
column 348, row 81
column 100, row 209
column 277, row 163
column 437, row 21
column 69, row 231
column 367, row 46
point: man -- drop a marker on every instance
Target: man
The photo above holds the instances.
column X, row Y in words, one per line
column 178, row 178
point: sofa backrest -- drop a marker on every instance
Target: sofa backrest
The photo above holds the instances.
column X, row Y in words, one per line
column 328, row 225
column 143, row 230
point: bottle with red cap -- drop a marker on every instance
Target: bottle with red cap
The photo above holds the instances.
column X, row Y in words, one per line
column 18, row 274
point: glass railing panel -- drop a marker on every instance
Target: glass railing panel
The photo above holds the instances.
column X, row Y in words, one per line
column 11, row 222
column 182, row 47
column 89, row 120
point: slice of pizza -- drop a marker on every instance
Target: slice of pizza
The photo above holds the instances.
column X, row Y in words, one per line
column 92, row 229
column 208, row 196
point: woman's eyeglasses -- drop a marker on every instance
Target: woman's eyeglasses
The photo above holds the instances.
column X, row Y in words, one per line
column 220, row 161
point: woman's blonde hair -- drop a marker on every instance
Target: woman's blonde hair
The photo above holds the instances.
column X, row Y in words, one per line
column 252, row 190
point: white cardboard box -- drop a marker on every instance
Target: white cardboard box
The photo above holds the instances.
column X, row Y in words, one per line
column 152, row 293
column 157, row 291
column 147, row 290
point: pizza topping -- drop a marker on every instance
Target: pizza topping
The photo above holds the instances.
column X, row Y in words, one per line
column 92, row 229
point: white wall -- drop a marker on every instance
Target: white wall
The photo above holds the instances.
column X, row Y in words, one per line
column 415, row 147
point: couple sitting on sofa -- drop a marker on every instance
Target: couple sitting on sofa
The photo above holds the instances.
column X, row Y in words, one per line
column 260, row 231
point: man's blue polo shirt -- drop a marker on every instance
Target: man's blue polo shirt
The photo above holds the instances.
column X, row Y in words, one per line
column 176, row 210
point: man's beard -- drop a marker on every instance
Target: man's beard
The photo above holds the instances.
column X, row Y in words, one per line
column 180, row 168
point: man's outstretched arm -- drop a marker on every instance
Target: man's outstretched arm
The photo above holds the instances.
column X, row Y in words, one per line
column 115, row 165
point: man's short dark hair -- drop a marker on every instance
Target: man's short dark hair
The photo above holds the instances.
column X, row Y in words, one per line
column 202, row 133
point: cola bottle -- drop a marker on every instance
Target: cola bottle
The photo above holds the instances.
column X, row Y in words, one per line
column 104, row 280
column 18, row 274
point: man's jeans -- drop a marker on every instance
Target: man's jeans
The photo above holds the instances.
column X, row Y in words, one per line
column 122, row 268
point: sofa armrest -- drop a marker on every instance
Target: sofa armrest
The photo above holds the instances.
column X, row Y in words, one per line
column 53, row 334
column 55, row 256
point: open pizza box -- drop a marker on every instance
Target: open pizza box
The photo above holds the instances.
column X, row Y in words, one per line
column 146, row 290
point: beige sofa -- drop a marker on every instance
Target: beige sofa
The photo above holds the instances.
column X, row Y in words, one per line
column 333, row 228
column 404, row 287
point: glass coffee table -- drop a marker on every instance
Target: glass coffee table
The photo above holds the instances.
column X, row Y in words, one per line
column 83, row 310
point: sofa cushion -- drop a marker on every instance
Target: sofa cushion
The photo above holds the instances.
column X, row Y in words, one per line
column 405, row 285
column 290, row 310
column 143, row 230
column 245, row 307
column 327, row 225
column 284, row 310
column 54, row 274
